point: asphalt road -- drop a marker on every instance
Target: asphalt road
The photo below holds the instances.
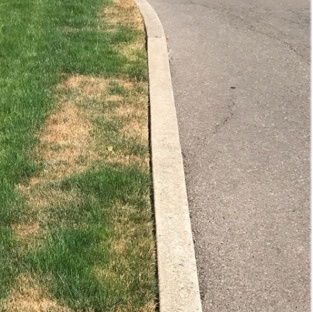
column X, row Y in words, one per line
column 241, row 81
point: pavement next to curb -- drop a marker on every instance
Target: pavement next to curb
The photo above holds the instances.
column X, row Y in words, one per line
column 177, row 271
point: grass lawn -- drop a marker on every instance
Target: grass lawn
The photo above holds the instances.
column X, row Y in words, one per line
column 76, row 223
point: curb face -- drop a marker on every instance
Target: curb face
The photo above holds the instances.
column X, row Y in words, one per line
column 177, row 271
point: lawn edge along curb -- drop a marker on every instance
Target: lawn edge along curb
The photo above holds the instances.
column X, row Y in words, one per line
column 177, row 271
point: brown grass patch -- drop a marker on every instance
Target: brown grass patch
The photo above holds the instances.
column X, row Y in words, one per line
column 125, row 13
column 119, row 246
column 128, row 160
column 114, row 98
column 86, row 85
column 25, row 230
column 28, row 296
column 136, row 121
column 148, row 307
column 136, row 129
column 68, row 144
column 43, row 195
column 65, row 142
column 125, row 110
column 130, row 51
column 127, row 84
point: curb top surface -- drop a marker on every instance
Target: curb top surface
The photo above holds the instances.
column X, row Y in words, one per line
column 177, row 271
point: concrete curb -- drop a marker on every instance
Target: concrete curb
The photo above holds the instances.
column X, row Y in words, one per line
column 177, row 271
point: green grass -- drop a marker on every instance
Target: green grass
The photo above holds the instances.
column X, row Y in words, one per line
column 69, row 256
column 34, row 52
column 73, row 257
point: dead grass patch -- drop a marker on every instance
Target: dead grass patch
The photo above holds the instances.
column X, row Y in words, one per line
column 68, row 144
column 44, row 195
column 24, row 230
column 130, row 51
column 148, row 307
column 86, row 85
column 119, row 272
column 28, row 296
column 128, row 160
column 127, row 84
column 136, row 121
column 124, row 13
column 125, row 111
column 114, row 98
column 136, row 129
column 65, row 142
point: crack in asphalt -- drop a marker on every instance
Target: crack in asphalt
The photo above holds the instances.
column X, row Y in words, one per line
column 226, row 119
column 289, row 45
column 219, row 126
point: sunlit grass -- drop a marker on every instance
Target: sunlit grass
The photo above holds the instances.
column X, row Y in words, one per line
column 75, row 212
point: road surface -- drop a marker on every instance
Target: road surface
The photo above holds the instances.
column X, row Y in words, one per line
column 241, row 81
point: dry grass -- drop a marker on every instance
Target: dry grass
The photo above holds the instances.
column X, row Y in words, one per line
column 130, row 51
column 71, row 142
column 126, row 231
column 135, row 122
column 85, row 85
column 28, row 296
column 44, row 195
column 68, row 144
column 24, row 230
column 127, row 161
column 125, row 13
column 135, row 129
column 64, row 141
column 149, row 307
